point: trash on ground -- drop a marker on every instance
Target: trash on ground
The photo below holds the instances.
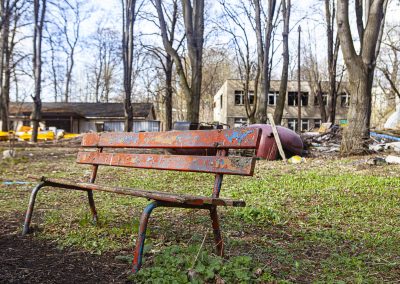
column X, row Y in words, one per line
column 296, row 160
column 8, row 154
column 15, row 182
column 393, row 159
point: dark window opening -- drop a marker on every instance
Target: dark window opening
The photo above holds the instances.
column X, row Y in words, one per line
column 324, row 99
column 239, row 97
column 293, row 98
column 344, row 100
column 273, row 98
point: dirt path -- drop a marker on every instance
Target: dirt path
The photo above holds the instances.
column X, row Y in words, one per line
column 27, row 260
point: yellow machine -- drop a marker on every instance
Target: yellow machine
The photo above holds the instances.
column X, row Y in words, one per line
column 25, row 133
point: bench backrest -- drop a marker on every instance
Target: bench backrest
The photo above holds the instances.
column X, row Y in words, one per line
column 217, row 141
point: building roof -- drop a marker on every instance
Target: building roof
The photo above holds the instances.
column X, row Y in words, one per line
column 87, row 110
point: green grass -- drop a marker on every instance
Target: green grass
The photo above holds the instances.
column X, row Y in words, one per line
column 323, row 221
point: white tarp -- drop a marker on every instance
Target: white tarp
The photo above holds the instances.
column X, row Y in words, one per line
column 394, row 119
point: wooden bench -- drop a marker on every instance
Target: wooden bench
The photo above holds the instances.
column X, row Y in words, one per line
column 215, row 142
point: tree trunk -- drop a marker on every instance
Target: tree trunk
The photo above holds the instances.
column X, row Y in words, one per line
column 193, row 16
column 333, row 49
column 280, row 104
column 266, row 78
column 39, row 15
column 360, row 69
column 168, row 92
column 129, row 18
column 356, row 134
column 4, row 96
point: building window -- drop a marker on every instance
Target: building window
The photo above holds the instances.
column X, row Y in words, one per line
column 239, row 121
column 317, row 123
column 220, row 101
column 239, row 97
column 305, row 125
column 99, row 126
column 344, row 100
column 293, row 98
column 292, row 124
column 324, row 99
column 273, row 98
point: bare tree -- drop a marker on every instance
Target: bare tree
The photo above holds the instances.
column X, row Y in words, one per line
column 39, row 9
column 54, row 44
column 360, row 68
column 73, row 11
column 239, row 16
column 264, row 55
column 129, row 14
column 313, row 76
column 218, row 66
column 5, row 29
column 388, row 76
column 11, row 11
column 165, row 58
column 333, row 44
column 280, row 104
column 102, row 69
column 193, row 16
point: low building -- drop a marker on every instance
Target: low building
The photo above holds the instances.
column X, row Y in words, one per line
column 229, row 104
column 85, row 117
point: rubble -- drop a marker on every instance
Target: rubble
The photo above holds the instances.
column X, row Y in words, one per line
column 322, row 143
column 8, row 154
column 392, row 159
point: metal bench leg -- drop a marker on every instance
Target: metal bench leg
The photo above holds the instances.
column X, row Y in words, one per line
column 137, row 258
column 92, row 206
column 31, row 205
column 219, row 243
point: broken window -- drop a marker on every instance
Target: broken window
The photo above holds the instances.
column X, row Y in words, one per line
column 317, row 123
column 292, row 123
column 293, row 98
column 305, row 125
column 99, row 126
column 324, row 99
column 272, row 98
column 239, row 97
column 239, row 121
column 344, row 100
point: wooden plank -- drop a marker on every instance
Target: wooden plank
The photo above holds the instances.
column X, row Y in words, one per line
column 239, row 138
column 276, row 136
column 155, row 195
column 205, row 164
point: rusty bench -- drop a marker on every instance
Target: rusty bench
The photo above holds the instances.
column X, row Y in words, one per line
column 198, row 144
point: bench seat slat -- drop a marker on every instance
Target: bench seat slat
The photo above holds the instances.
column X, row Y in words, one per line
column 239, row 138
column 155, row 195
column 206, row 164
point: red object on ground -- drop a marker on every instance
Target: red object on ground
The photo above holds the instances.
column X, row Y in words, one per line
column 267, row 149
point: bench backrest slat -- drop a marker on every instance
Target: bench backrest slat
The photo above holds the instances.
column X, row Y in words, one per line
column 206, row 164
column 239, row 138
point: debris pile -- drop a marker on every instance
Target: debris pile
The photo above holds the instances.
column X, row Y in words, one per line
column 326, row 140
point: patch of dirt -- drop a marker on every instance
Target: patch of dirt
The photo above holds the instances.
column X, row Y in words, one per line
column 28, row 260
